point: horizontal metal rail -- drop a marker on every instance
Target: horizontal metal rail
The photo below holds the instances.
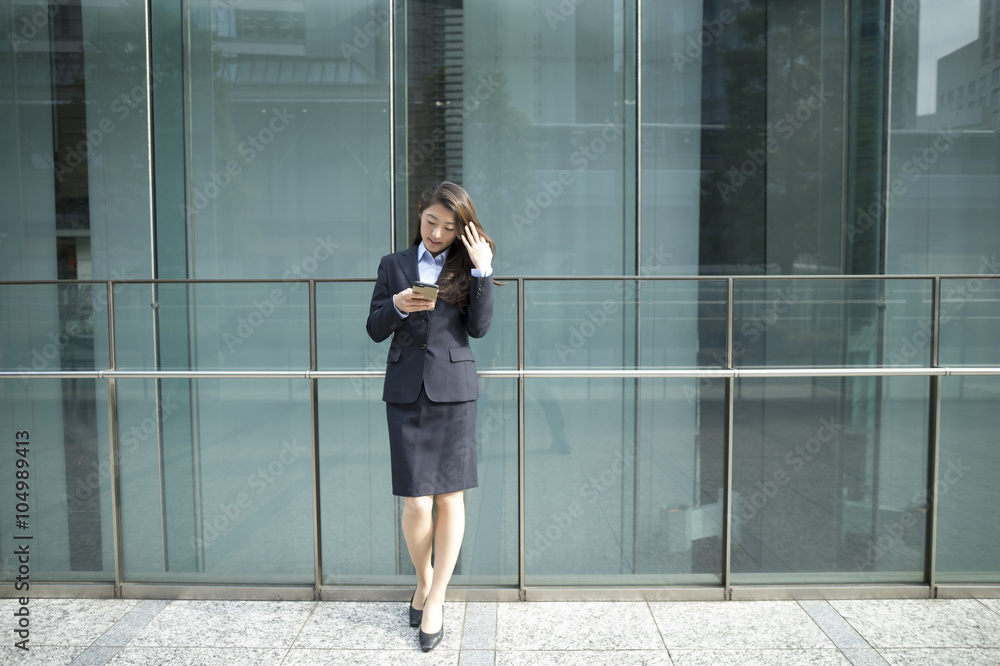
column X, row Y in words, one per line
column 525, row 278
column 736, row 373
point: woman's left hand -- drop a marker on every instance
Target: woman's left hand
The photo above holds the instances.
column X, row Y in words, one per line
column 479, row 250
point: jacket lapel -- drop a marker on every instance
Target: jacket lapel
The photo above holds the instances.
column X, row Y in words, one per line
column 408, row 264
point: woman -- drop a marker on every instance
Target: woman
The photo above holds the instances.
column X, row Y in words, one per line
column 431, row 385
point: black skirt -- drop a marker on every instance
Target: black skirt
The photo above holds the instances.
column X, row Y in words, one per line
column 432, row 446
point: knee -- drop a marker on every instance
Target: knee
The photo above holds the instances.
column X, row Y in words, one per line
column 418, row 506
column 451, row 500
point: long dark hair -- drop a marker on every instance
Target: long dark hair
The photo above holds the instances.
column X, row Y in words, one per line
column 456, row 275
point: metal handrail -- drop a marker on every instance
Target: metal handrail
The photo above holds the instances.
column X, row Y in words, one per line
column 730, row 374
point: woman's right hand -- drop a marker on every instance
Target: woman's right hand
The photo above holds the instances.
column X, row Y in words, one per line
column 410, row 301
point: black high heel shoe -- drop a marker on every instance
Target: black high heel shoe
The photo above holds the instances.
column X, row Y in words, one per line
column 430, row 641
column 416, row 616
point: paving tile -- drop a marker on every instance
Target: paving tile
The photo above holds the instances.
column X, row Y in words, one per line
column 480, row 630
column 864, row 657
column 197, row 656
column 584, row 657
column 95, row 656
column 131, row 622
column 261, row 624
column 38, row 655
column 311, row 657
column 833, row 624
column 477, row 657
column 918, row 623
column 992, row 604
column 552, row 625
column 943, row 656
column 68, row 621
column 794, row 657
column 373, row 625
column 752, row 625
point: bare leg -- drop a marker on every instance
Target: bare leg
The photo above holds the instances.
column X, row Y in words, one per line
column 418, row 530
column 447, row 543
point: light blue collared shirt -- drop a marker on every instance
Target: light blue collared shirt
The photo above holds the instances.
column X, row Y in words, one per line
column 429, row 268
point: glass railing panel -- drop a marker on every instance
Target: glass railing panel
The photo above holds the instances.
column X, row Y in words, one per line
column 57, row 480
column 216, row 481
column 212, row 326
column 970, row 322
column 623, row 482
column 830, row 323
column 828, row 480
column 968, row 531
column 624, row 324
column 46, row 327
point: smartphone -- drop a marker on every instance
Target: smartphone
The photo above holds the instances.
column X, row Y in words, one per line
column 428, row 291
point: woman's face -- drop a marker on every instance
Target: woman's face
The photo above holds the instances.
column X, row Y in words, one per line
column 438, row 228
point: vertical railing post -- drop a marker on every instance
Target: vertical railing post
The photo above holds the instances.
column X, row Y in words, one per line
column 520, row 440
column 314, row 425
column 727, row 494
column 116, row 504
column 934, row 441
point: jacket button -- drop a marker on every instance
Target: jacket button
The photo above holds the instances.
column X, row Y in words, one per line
column 423, row 346
column 425, row 317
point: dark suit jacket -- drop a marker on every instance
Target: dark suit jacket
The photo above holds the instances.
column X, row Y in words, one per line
column 430, row 347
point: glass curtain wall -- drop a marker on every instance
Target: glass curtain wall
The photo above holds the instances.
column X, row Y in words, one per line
column 754, row 146
column 941, row 202
column 75, row 182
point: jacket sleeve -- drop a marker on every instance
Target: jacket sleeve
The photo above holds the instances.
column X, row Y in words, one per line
column 382, row 316
column 479, row 314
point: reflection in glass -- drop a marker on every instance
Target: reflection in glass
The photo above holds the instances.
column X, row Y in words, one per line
column 212, row 326
column 944, row 162
column 968, row 529
column 829, row 479
column 830, row 323
column 288, row 139
column 970, row 322
column 743, row 141
column 68, row 477
column 528, row 114
column 623, row 482
column 227, row 502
